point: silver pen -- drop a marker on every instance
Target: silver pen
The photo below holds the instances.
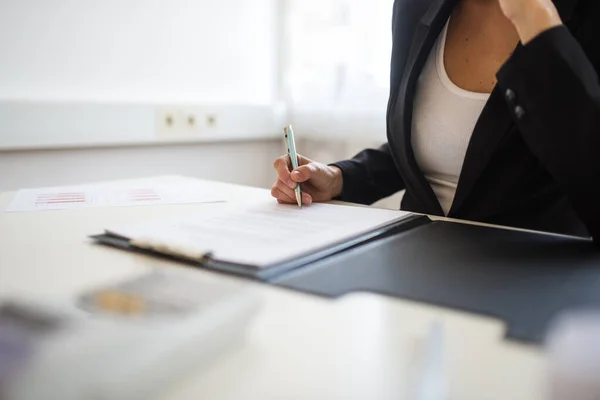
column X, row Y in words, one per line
column 290, row 143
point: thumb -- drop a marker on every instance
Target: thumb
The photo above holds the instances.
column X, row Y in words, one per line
column 303, row 173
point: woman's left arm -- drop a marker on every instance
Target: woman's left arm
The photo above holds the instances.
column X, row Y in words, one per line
column 552, row 89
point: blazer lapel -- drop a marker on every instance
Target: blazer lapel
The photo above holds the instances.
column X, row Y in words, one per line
column 400, row 122
column 494, row 122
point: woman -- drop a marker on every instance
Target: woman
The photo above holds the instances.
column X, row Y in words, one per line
column 494, row 116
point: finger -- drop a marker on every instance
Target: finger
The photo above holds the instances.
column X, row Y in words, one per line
column 285, row 189
column 281, row 165
column 282, row 197
column 306, row 198
column 303, row 160
column 304, row 173
column 290, row 193
column 286, row 195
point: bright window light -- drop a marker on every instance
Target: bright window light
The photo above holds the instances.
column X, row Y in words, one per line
column 339, row 54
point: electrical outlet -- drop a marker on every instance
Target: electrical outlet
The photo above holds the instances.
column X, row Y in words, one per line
column 192, row 123
column 200, row 122
column 212, row 120
column 168, row 122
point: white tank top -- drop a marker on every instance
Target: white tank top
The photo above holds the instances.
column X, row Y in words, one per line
column 444, row 118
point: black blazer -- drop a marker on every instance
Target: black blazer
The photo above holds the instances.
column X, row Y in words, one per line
column 534, row 158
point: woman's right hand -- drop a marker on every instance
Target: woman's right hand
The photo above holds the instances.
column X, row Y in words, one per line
column 320, row 182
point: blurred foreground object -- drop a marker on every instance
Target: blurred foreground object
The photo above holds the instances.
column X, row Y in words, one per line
column 127, row 341
column 574, row 354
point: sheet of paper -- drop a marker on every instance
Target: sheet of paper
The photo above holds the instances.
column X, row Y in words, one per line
column 111, row 195
column 262, row 233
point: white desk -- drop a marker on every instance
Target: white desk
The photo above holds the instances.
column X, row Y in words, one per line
column 298, row 346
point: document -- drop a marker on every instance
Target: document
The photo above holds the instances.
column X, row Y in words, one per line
column 115, row 194
column 261, row 233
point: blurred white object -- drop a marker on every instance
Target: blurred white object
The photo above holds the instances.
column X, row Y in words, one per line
column 140, row 337
column 434, row 379
column 574, row 355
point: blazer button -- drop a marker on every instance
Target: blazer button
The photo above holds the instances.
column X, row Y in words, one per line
column 510, row 96
column 519, row 112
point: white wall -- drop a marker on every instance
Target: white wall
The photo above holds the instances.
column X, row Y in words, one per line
column 247, row 163
column 153, row 51
column 139, row 51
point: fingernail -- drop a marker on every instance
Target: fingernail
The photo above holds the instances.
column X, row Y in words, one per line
column 306, row 199
column 296, row 174
column 291, row 184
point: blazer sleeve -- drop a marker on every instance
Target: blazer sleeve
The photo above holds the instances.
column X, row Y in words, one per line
column 552, row 90
column 369, row 176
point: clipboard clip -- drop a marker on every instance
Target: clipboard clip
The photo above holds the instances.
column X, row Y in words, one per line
column 172, row 249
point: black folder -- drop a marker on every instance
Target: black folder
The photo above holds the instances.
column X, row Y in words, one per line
column 523, row 278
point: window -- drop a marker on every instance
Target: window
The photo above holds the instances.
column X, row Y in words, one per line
column 338, row 57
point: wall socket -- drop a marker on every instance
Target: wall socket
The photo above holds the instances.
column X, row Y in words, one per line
column 218, row 121
column 185, row 122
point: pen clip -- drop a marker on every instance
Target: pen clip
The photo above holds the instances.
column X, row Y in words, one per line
column 291, row 147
